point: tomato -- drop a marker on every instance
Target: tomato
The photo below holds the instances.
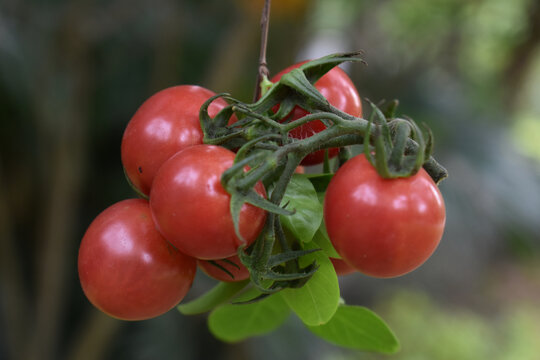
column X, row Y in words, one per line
column 126, row 267
column 341, row 267
column 340, row 92
column 383, row 227
column 164, row 124
column 192, row 209
column 239, row 272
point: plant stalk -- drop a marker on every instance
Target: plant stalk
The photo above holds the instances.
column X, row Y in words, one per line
column 263, row 67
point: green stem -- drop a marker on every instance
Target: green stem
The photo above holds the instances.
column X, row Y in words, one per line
column 264, row 119
column 263, row 69
column 403, row 131
column 273, row 224
column 313, row 117
column 293, row 160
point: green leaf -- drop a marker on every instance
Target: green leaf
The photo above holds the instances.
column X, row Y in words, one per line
column 358, row 328
column 320, row 181
column 216, row 296
column 323, row 241
column 297, row 80
column 233, row 323
column 301, row 197
column 315, row 69
column 316, row 302
column 320, row 197
column 321, row 237
column 250, row 293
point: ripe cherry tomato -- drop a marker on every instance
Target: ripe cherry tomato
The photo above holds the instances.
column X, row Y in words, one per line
column 164, row 124
column 192, row 209
column 340, row 92
column 240, row 272
column 341, row 267
column 383, row 227
column 126, row 267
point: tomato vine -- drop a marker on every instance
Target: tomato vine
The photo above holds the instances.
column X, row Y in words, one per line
column 395, row 146
column 229, row 197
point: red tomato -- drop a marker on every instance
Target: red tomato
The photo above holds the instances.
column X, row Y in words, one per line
column 383, row 227
column 164, row 124
column 240, row 273
column 126, row 267
column 340, row 92
column 341, row 267
column 192, row 209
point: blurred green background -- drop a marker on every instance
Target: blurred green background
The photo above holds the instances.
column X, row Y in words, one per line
column 72, row 73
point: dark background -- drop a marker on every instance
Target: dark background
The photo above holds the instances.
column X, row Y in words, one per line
column 72, row 73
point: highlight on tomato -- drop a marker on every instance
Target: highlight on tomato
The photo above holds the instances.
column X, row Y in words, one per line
column 383, row 227
column 192, row 209
column 127, row 269
column 164, row 124
column 339, row 90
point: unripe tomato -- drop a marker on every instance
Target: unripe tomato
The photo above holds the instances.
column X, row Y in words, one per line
column 192, row 210
column 383, row 227
column 164, row 124
column 239, row 272
column 126, row 267
column 339, row 90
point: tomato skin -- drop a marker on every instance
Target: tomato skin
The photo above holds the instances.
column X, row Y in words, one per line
column 240, row 273
column 164, row 124
column 341, row 267
column 191, row 208
column 339, row 90
column 126, row 267
column 383, row 227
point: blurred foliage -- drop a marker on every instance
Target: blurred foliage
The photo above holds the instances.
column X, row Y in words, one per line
column 429, row 331
column 72, row 73
column 461, row 333
column 526, row 129
column 526, row 133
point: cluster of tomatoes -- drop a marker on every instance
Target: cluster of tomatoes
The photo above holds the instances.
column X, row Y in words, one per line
column 139, row 257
